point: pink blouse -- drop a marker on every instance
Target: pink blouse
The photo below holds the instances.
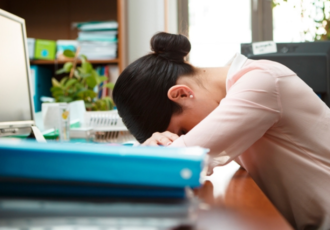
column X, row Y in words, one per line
column 278, row 129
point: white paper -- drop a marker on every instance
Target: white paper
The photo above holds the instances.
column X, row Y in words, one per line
column 264, row 47
column 77, row 111
column 50, row 116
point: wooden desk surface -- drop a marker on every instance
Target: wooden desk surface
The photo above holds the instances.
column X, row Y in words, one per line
column 234, row 201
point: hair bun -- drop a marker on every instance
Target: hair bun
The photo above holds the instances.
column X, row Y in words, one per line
column 173, row 47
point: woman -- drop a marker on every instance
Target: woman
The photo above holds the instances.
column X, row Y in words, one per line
column 258, row 113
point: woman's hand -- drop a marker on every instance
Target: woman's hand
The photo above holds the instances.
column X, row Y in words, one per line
column 165, row 139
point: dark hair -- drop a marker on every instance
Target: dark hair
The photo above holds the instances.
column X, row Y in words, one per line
column 140, row 92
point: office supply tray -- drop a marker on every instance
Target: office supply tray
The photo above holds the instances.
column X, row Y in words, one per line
column 105, row 126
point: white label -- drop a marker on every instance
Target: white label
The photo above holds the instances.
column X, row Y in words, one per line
column 186, row 173
column 264, row 47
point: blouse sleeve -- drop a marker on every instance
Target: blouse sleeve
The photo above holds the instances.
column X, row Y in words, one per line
column 250, row 108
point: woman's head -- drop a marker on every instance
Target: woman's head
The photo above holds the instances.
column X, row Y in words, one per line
column 141, row 91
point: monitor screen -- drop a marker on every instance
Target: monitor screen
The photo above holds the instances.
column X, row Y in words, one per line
column 309, row 60
column 15, row 99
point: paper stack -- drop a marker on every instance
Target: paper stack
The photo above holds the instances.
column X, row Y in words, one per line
column 98, row 40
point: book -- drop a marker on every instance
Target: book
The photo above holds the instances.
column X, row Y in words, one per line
column 113, row 73
column 98, row 40
column 98, row 49
column 97, row 25
column 105, row 33
column 106, row 73
column 98, row 36
column 101, row 90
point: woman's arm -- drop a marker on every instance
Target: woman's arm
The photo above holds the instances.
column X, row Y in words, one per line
column 250, row 108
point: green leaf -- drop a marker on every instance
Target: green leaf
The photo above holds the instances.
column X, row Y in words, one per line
column 60, row 71
column 68, row 66
column 69, row 53
column 80, row 92
column 109, row 102
column 90, row 93
column 70, row 82
column 58, row 93
column 55, row 82
column 79, row 85
column 76, row 74
column 109, row 85
column 104, row 104
column 65, row 99
column 88, row 105
column 71, row 91
column 83, row 58
column 91, row 82
column 63, row 80
column 95, row 73
column 87, row 67
column 55, row 88
column 94, row 107
column 84, row 75
column 101, row 79
column 108, row 99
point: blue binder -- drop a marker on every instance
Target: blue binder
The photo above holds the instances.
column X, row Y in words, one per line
column 45, row 189
column 95, row 163
column 41, row 83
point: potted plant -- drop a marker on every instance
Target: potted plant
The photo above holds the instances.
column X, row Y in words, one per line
column 80, row 83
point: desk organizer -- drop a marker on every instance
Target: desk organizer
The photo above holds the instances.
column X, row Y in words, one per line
column 103, row 126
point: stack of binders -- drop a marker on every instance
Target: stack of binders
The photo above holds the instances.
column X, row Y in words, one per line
column 98, row 40
column 93, row 170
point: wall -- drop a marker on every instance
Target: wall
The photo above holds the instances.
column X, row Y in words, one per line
column 172, row 16
column 144, row 19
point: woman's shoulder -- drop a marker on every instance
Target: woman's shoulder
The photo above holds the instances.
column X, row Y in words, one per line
column 275, row 69
column 259, row 69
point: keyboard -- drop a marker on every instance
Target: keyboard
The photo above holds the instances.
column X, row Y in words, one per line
column 20, row 214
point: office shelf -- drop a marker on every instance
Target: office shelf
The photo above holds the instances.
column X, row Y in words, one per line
column 47, row 62
column 54, row 20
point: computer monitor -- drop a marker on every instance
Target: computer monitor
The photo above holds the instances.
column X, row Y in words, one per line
column 16, row 103
column 309, row 60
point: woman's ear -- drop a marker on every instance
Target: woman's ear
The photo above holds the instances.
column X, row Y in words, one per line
column 179, row 93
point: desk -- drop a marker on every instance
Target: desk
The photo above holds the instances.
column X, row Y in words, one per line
column 234, row 201
column 231, row 198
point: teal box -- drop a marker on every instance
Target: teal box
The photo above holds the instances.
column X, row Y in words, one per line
column 45, row 49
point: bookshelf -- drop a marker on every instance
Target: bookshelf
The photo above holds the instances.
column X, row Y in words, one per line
column 56, row 62
column 53, row 20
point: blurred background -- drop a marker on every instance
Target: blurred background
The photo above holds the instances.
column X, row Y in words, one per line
column 113, row 33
